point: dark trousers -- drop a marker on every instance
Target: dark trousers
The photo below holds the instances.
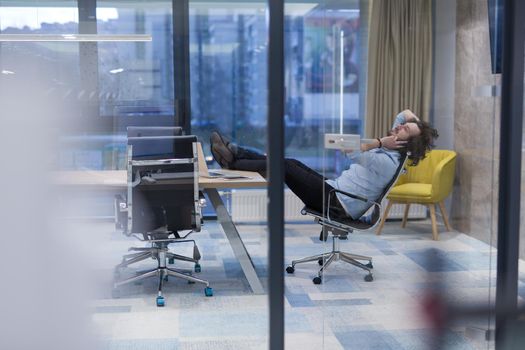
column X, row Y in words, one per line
column 306, row 183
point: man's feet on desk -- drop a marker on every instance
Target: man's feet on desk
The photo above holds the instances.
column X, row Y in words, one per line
column 221, row 151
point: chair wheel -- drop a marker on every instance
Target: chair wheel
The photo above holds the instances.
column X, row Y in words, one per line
column 208, row 291
column 160, row 301
column 171, row 261
column 191, row 282
column 196, row 253
column 317, row 280
column 369, row 278
column 320, row 261
column 290, row 269
column 166, row 278
column 197, row 268
column 369, row 265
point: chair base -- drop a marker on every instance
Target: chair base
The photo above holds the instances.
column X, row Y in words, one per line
column 160, row 253
column 326, row 259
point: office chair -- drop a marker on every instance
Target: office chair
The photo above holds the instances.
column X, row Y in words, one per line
column 144, row 148
column 340, row 226
column 162, row 201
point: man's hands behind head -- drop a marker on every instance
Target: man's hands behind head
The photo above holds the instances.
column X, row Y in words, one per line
column 391, row 142
column 410, row 116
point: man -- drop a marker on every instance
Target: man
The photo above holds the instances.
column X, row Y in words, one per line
column 373, row 167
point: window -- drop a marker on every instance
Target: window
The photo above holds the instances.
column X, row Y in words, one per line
column 136, row 79
column 228, row 55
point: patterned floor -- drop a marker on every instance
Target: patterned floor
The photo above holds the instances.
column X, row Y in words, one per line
column 345, row 312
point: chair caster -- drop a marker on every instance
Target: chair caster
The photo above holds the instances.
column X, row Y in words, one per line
column 171, row 261
column 317, row 280
column 369, row 265
column 166, row 278
column 208, row 291
column 290, row 269
column 160, row 301
column 196, row 253
column 320, row 261
column 197, row 268
column 369, row 278
column 191, row 282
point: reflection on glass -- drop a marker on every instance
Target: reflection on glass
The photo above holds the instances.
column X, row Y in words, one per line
column 134, row 79
column 228, row 55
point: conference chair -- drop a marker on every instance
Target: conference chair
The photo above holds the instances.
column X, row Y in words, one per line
column 143, row 149
column 162, row 206
column 340, row 227
column 427, row 183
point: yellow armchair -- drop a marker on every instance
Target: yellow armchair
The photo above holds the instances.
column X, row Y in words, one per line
column 427, row 183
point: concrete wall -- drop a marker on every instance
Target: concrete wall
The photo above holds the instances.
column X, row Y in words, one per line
column 476, row 125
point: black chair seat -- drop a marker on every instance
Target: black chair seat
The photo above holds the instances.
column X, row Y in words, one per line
column 338, row 219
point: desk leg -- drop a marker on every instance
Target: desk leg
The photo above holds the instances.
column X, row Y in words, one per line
column 235, row 241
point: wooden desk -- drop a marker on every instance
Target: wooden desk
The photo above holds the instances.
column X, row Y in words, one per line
column 116, row 180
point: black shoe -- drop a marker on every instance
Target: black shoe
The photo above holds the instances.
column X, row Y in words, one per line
column 220, row 151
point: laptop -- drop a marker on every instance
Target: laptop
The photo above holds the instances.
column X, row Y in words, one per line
column 219, row 174
column 342, row 141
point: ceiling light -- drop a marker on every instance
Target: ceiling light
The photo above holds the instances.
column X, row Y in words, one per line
column 74, row 37
column 115, row 71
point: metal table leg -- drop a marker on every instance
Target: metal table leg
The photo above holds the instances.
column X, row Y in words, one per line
column 235, row 241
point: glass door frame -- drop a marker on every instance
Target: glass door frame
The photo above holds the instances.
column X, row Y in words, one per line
column 510, row 168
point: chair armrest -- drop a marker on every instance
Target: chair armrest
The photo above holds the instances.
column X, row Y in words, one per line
column 362, row 199
column 443, row 177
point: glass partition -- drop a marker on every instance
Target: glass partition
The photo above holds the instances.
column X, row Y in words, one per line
column 435, row 250
column 355, row 277
column 228, row 84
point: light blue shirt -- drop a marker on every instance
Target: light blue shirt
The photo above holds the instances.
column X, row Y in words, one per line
column 367, row 176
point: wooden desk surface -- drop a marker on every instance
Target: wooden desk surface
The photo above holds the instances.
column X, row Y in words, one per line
column 106, row 179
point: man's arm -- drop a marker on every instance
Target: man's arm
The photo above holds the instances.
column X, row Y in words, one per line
column 368, row 146
column 410, row 116
column 403, row 117
column 389, row 142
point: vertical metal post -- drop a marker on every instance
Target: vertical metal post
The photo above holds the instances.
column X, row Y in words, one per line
column 276, row 173
column 181, row 63
column 88, row 61
column 510, row 166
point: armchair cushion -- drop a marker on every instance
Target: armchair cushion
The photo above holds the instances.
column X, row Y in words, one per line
column 411, row 192
column 429, row 182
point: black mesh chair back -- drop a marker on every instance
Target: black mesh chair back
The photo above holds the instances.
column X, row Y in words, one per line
column 142, row 131
column 164, row 175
